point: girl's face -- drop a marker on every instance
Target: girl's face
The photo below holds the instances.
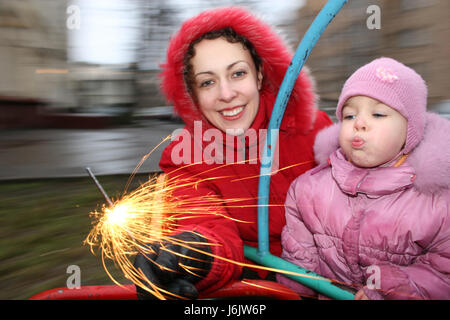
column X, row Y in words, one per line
column 226, row 84
column 372, row 133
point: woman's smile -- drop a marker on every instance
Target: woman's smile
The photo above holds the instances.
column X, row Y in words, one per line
column 232, row 114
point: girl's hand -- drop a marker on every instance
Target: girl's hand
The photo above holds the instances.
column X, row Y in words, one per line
column 360, row 295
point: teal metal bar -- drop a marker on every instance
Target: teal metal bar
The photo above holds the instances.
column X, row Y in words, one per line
column 262, row 255
column 305, row 277
column 310, row 38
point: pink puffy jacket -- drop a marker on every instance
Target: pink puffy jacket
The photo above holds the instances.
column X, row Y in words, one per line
column 385, row 229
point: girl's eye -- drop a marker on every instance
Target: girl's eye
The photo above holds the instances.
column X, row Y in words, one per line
column 349, row 117
column 379, row 115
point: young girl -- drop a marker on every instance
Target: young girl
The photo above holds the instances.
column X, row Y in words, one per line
column 375, row 214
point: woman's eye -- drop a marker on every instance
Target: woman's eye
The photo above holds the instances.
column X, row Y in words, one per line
column 206, row 83
column 239, row 74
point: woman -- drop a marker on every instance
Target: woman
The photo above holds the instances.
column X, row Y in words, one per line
column 223, row 71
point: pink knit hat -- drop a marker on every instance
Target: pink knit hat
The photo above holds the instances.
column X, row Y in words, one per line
column 396, row 86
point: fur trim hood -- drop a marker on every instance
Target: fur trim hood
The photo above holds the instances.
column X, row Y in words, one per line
column 430, row 159
column 275, row 56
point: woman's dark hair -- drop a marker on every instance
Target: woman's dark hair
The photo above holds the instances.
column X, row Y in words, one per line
column 228, row 34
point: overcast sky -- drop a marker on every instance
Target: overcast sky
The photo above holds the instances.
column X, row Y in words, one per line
column 109, row 29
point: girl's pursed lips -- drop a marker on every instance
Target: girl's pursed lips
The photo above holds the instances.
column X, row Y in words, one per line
column 357, row 142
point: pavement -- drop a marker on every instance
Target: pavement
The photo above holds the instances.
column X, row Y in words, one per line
column 55, row 153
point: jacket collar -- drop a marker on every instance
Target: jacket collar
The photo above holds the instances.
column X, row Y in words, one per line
column 373, row 182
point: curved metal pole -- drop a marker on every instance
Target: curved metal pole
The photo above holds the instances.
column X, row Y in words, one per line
column 310, row 279
column 325, row 16
column 316, row 29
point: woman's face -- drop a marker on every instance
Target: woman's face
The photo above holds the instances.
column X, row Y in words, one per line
column 372, row 133
column 226, row 84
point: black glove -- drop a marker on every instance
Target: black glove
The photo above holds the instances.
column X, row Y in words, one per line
column 162, row 265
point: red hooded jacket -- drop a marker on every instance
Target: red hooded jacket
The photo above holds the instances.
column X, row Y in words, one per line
column 297, row 133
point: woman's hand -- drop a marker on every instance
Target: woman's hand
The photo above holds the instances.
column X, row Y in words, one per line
column 360, row 295
column 173, row 267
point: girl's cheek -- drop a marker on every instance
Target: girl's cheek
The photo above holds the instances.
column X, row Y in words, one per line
column 343, row 134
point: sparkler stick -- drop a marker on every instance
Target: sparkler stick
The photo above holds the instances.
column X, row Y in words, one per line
column 99, row 186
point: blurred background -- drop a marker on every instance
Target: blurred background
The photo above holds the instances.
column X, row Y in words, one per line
column 79, row 88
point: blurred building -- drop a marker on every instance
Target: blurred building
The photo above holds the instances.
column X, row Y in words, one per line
column 415, row 32
column 104, row 89
column 159, row 23
column 33, row 58
column 33, row 50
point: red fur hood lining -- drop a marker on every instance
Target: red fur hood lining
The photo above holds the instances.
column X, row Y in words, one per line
column 269, row 46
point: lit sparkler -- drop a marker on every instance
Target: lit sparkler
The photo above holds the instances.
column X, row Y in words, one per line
column 150, row 214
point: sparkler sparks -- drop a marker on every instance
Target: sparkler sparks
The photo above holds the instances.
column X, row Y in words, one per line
column 147, row 215
column 150, row 215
